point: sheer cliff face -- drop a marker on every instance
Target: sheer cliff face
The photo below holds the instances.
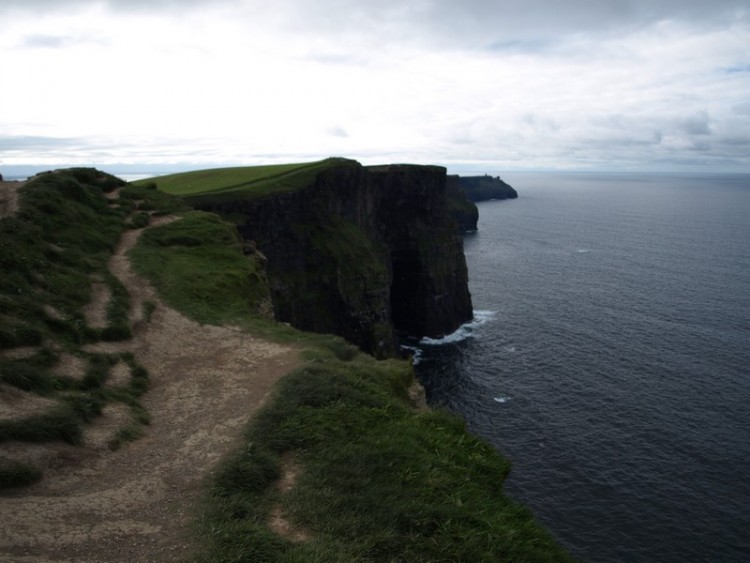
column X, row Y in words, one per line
column 429, row 292
column 361, row 252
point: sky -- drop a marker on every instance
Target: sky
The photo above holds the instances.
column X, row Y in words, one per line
column 641, row 85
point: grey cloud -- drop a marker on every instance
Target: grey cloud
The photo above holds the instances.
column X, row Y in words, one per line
column 13, row 143
column 541, row 123
column 338, row 131
column 735, row 141
column 41, row 41
column 700, row 146
column 337, row 58
column 505, row 24
column 696, row 125
column 67, row 5
column 737, row 69
column 657, row 128
column 46, row 41
column 487, row 22
column 511, row 46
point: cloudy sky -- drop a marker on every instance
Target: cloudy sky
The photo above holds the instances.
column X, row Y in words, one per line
column 488, row 84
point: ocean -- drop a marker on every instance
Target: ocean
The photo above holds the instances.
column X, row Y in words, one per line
column 609, row 359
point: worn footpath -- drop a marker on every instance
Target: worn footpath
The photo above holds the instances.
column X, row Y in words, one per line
column 138, row 503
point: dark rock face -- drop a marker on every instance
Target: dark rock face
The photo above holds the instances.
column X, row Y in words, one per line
column 429, row 293
column 483, row 188
column 464, row 211
column 361, row 252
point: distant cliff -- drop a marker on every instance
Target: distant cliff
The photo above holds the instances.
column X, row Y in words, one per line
column 482, row 188
column 463, row 210
column 362, row 252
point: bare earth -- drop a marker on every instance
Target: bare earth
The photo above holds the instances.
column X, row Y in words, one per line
column 9, row 197
column 138, row 503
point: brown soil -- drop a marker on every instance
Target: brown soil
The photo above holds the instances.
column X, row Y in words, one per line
column 96, row 310
column 14, row 403
column 278, row 521
column 9, row 197
column 138, row 503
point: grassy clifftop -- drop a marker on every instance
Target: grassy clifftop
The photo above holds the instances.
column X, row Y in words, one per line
column 250, row 181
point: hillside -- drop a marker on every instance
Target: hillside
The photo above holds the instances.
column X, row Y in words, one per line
column 340, row 463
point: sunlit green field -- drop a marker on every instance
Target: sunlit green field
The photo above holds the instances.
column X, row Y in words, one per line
column 256, row 180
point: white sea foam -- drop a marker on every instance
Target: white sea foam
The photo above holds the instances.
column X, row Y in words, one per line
column 416, row 353
column 464, row 331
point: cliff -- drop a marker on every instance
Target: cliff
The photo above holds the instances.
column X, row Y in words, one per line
column 463, row 210
column 482, row 188
column 362, row 252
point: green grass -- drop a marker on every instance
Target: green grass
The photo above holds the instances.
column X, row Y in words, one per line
column 378, row 480
column 144, row 198
column 62, row 235
column 188, row 183
column 198, row 266
column 78, row 401
column 60, row 423
column 60, row 240
column 252, row 181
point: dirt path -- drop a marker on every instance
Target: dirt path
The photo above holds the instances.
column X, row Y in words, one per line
column 137, row 503
column 9, row 197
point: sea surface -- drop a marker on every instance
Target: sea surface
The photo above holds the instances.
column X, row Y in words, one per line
column 609, row 359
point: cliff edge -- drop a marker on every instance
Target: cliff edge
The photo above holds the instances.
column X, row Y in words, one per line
column 362, row 252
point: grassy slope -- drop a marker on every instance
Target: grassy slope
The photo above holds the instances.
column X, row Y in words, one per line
column 378, row 480
column 197, row 264
column 50, row 252
column 247, row 180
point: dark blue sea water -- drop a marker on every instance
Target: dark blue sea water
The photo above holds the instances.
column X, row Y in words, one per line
column 610, row 360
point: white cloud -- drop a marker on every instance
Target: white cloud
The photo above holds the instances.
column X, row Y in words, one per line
column 409, row 81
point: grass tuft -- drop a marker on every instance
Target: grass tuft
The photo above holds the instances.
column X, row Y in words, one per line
column 128, row 433
column 15, row 474
column 61, row 423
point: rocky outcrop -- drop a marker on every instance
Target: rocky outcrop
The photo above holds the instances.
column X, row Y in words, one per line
column 363, row 252
column 463, row 210
column 483, row 188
